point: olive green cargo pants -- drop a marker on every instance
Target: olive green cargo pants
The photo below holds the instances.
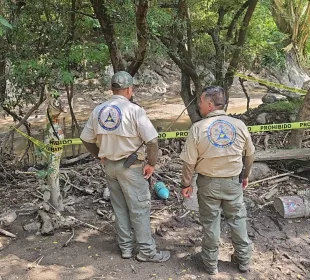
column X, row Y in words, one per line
column 214, row 196
column 130, row 198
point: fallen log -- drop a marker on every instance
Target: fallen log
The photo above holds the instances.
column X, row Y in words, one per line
column 282, row 154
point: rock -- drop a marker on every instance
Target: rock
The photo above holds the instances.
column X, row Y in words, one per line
column 249, row 202
column 259, row 171
column 47, row 224
column 70, row 209
column 32, row 169
column 8, row 217
column 306, row 85
column 35, row 226
column 150, row 77
column 158, row 89
column 262, row 118
column 272, row 97
column 106, row 194
column 292, row 117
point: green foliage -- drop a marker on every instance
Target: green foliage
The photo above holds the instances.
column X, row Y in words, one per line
column 45, row 47
column 283, row 106
column 4, row 24
column 265, row 43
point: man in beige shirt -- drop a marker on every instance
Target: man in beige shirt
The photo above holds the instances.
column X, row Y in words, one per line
column 120, row 128
column 217, row 148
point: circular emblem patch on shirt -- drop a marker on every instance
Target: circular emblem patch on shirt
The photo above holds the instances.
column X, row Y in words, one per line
column 110, row 117
column 221, row 134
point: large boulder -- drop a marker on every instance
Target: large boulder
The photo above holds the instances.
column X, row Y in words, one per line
column 271, row 98
column 262, row 118
column 260, row 170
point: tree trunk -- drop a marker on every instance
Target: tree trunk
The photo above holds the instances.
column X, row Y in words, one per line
column 303, row 115
column 229, row 77
column 188, row 97
column 106, row 23
column 142, row 36
column 107, row 27
column 2, row 74
column 219, row 48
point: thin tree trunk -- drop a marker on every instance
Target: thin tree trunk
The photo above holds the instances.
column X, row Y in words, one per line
column 188, row 97
column 107, row 27
column 303, row 115
column 142, row 36
column 229, row 77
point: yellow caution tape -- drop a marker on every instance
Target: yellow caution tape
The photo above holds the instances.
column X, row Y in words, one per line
column 254, row 128
column 55, row 146
column 279, row 126
column 272, row 84
column 49, row 148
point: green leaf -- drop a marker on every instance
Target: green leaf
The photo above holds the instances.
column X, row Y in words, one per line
column 5, row 23
column 67, row 77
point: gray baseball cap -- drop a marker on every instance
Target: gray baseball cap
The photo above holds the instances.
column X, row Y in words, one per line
column 121, row 80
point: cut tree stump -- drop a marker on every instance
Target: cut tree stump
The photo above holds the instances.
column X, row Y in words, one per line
column 282, row 154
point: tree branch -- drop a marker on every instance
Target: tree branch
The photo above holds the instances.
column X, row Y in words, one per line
column 141, row 24
column 241, row 40
column 23, row 121
column 233, row 23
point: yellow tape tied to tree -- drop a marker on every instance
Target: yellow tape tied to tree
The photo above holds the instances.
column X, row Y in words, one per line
column 56, row 145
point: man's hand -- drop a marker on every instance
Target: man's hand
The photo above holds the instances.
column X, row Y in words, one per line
column 148, row 170
column 245, row 183
column 187, row 192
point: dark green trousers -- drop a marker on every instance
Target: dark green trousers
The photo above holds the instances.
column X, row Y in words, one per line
column 130, row 198
column 214, row 196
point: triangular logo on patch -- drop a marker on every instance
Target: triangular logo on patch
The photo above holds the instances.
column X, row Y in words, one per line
column 109, row 118
column 222, row 134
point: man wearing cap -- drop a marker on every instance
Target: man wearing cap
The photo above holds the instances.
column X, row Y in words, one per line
column 215, row 148
column 120, row 128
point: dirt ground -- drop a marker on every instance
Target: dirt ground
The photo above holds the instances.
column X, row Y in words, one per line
column 281, row 246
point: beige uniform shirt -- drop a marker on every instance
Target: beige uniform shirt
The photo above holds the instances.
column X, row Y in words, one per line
column 216, row 144
column 119, row 126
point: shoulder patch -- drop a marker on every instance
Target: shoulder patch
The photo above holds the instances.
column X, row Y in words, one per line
column 110, row 117
column 221, row 134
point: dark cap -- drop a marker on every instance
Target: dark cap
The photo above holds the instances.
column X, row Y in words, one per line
column 121, row 80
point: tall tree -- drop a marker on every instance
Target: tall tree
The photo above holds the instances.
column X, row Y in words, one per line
column 103, row 11
column 228, row 41
column 292, row 18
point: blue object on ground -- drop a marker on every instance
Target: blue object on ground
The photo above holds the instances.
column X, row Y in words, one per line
column 161, row 190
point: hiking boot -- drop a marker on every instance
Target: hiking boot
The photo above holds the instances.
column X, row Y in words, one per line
column 243, row 267
column 127, row 255
column 211, row 270
column 160, row 256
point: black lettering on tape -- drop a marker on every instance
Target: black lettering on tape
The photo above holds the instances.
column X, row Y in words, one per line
column 304, row 124
column 61, row 142
column 162, row 135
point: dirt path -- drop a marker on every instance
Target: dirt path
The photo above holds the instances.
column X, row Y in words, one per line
column 279, row 250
